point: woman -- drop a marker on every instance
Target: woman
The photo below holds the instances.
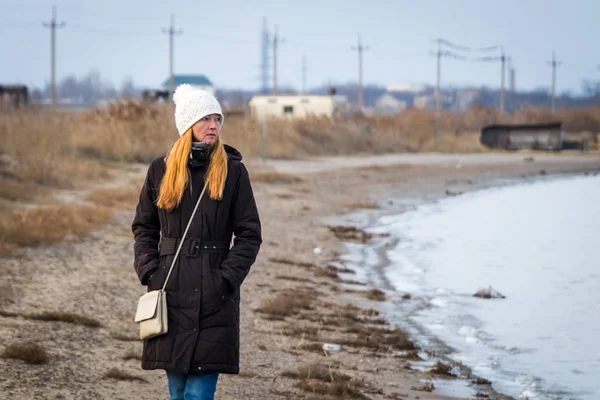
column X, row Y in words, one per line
column 203, row 291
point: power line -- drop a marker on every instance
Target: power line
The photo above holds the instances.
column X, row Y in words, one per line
column 20, row 24
column 502, row 58
column 171, row 32
column 52, row 26
column 439, row 54
column 466, row 48
column 554, row 64
column 360, row 49
column 110, row 32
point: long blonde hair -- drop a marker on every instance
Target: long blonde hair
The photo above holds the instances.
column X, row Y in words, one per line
column 177, row 174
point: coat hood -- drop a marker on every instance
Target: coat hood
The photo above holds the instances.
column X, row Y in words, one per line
column 232, row 153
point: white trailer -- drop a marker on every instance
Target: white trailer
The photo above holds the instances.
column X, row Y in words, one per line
column 296, row 107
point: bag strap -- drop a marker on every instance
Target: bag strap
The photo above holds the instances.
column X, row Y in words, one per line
column 183, row 238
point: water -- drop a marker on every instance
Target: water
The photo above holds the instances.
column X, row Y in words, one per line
column 538, row 244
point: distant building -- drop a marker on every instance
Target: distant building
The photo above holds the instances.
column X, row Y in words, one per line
column 296, row 106
column 13, row 96
column 198, row 81
column 425, row 102
column 466, row 99
column 161, row 95
column 406, row 87
column 389, row 104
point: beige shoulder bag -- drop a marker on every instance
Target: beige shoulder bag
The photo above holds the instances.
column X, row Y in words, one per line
column 151, row 311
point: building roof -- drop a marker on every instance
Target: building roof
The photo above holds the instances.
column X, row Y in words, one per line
column 195, row 80
column 494, row 128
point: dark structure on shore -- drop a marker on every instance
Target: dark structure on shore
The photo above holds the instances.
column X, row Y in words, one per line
column 13, row 96
column 548, row 136
column 152, row 96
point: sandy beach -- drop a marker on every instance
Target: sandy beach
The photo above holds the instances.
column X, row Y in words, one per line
column 293, row 300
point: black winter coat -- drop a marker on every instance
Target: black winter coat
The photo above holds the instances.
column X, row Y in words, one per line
column 203, row 292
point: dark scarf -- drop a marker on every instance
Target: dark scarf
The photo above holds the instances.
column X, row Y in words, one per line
column 201, row 151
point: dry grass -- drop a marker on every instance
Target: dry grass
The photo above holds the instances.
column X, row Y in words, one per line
column 442, row 369
column 295, row 279
column 302, row 332
column 315, row 347
column 117, row 374
column 363, row 206
column 46, row 225
column 274, row 178
column 55, row 316
column 353, row 282
column 481, row 381
column 328, row 273
column 375, row 294
column 54, row 147
column 115, row 198
column 340, row 269
column 8, row 314
column 427, row 387
column 378, row 339
column 58, row 316
column 286, row 261
column 287, row 303
column 323, row 380
column 14, row 190
column 353, row 234
column 132, row 355
column 124, row 338
column 249, row 374
column 346, row 317
column 31, row 353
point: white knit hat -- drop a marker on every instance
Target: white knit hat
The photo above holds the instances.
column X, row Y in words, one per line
column 191, row 105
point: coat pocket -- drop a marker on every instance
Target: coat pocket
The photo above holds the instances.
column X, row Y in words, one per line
column 220, row 285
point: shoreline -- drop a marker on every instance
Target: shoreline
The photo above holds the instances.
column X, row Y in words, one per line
column 439, row 189
column 436, row 349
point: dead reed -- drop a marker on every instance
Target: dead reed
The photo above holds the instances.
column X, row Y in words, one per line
column 287, row 303
column 21, row 227
column 324, row 380
column 117, row 374
column 31, row 353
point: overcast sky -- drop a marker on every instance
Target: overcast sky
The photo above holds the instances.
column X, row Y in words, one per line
column 222, row 39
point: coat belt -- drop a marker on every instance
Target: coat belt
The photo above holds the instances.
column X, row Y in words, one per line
column 192, row 247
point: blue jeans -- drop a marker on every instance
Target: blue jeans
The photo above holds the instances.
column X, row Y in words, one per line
column 192, row 386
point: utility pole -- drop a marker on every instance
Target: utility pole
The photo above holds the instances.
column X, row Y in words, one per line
column 171, row 32
column 502, row 72
column 598, row 85
column 304, row 68
column 275, row 39
column 52, row 26
column 438, row 94
column 511, row 84
column 361, row 49
column 553, row 64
